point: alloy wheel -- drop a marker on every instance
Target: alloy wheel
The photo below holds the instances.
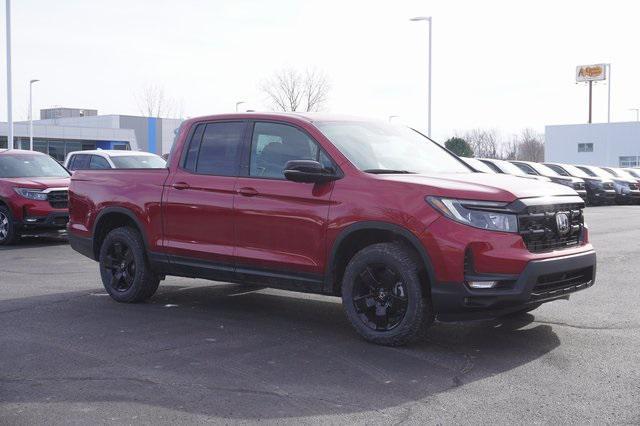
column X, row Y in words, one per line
column 120, row 263
column 4, row 226
column 380, row 297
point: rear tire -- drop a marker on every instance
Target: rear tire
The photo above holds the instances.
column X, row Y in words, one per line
column 8, row 231
column 124, row 268
column 382, row 295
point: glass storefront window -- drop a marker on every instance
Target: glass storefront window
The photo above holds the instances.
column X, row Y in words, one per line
column 56, row 150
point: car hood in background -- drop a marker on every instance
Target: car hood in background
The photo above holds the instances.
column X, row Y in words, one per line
column 39, row 182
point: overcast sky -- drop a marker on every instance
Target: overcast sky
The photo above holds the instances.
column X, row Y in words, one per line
column 496, row 64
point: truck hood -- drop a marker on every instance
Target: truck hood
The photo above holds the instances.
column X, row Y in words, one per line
column 482, row 186
column 38, row 182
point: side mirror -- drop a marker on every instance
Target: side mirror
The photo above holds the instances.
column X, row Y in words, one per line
column 308, row 171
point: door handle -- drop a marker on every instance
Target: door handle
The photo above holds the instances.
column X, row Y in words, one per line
column 247, row 192
column 180, row 185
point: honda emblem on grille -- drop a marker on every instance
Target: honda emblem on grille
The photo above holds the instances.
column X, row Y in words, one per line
column 562, row 223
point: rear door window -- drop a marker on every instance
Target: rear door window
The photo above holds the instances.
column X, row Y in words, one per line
column 79, row 162
column 220, row 149
column 98, row 163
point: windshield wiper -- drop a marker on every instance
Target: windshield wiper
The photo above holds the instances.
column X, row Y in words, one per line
column 387, row 171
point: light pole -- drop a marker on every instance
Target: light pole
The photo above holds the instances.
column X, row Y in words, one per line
column 31, row 112
column 427, row 18
column 238, row 104
column 9, row 103
column 637, row 110
column 609, row 94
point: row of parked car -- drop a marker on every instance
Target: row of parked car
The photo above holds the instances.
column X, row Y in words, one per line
column 596, row 185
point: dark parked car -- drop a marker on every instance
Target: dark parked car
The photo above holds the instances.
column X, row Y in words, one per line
column 627, row 190
column 599, row 190
column 374, row 213
column 533, row 168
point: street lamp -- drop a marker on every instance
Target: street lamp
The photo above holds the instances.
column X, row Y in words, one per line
column 238, row 104
column 427, row 18
column 31, row 112
column 9, row 103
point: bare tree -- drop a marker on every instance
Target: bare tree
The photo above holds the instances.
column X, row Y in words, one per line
column 484, row 142
column 152, row 102
column 530, row 146
column 509, row 149
column 291, row 90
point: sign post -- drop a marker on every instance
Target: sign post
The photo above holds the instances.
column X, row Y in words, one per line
column 589, row 74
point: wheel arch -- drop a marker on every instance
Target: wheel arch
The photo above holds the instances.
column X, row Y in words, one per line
column 111, row 218
column 361, row 234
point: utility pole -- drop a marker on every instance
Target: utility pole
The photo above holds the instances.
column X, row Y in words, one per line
column 31, row 112
column 9, row 102
column 430, row 21
column 590, row 97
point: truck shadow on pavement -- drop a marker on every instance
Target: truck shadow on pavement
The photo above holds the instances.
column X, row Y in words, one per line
column 222, row 351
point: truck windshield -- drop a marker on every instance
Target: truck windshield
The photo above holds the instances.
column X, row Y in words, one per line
column 26, row 165
column 138, row 162
column 378, row 147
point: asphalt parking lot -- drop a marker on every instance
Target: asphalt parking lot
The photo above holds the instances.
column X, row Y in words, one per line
column 208, row 352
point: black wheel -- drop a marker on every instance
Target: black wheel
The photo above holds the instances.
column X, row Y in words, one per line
column 8, row 231
column 382, row 295
column 124, row 268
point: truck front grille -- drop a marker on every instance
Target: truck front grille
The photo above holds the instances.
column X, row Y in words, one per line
column 59, row 199
column 538, row 226
column 557, row 284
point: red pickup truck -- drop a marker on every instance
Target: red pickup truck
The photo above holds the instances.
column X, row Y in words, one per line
column 375, row 213
column 33, row 195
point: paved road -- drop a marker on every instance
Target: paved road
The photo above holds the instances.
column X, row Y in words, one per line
column 205, row 352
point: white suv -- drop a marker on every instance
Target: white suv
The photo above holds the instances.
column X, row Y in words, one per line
column 112, row 159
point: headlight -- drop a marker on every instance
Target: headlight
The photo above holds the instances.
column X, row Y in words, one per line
column 479, row 214
column 32, row 194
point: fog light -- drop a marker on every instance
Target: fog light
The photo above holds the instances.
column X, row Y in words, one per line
column 482, row 284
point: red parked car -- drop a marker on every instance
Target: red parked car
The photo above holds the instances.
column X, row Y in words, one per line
column 33, row 195
column 375, row 213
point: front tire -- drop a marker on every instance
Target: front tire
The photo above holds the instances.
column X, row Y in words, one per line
column 382, row 295
column 8, row 231
column 124, row 268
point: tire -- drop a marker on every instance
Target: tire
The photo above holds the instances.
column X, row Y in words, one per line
column 124, row 268
column 382, row 295
column 8, row 233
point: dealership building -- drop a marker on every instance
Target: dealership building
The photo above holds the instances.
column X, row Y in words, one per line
column 597, row 144
column 63, row 130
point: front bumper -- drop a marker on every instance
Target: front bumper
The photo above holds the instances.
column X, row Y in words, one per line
column 541, row 281
column 37, row 225
column 605, row 196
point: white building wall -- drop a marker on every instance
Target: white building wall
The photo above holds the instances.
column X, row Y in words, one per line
column 611, row 141
column 169, row 128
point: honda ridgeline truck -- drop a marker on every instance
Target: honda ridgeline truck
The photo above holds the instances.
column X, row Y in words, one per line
column 377, row 214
